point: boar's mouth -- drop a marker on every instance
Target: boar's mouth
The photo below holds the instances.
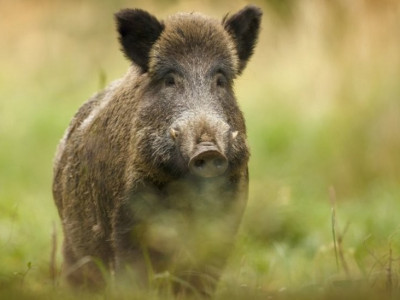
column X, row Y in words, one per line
column 207, row 161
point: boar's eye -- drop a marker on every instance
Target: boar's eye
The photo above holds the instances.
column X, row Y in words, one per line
column 169, row 80
column 220, row 80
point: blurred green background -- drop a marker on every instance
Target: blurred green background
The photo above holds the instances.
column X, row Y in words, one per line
column 321, row 96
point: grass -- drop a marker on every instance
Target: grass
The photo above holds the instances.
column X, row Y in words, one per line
column 321, row 101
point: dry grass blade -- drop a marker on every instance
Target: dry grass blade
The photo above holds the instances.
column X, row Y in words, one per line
column 332, row 197
column 389, row 277
column 337, row 237
column 53, row 267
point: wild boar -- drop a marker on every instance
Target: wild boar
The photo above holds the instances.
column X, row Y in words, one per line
column 151, row 174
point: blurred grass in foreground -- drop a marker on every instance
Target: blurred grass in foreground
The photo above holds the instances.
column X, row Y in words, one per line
column 321, row 98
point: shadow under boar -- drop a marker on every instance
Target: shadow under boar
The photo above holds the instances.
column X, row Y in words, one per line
column 151, row 175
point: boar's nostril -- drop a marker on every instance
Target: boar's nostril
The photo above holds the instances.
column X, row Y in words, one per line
column 219, row 163
column 208, row 163
column 199, row 163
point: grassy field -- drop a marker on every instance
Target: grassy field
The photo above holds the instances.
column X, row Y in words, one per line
column 322, row 101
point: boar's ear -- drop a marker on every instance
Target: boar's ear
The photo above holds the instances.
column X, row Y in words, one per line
column 138, row 31
column 244, row 27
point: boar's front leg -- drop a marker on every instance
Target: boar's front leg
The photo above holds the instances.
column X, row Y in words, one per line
column 130, row 222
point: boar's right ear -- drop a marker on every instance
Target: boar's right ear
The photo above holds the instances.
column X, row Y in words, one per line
column 138, row 31
column 244, row 27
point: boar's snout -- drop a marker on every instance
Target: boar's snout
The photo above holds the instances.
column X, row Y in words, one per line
column 207, row 161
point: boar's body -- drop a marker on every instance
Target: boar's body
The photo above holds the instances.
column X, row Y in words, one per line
column 152, row 172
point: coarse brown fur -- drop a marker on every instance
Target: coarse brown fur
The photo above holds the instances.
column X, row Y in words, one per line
column 122, row 185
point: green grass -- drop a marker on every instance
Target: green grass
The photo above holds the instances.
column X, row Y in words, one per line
column 321, row 99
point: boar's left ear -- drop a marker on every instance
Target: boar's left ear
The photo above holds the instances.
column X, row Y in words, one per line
column 138, row 31
column 244, row 27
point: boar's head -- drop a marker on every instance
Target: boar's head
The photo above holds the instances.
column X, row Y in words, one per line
column 188, row 120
